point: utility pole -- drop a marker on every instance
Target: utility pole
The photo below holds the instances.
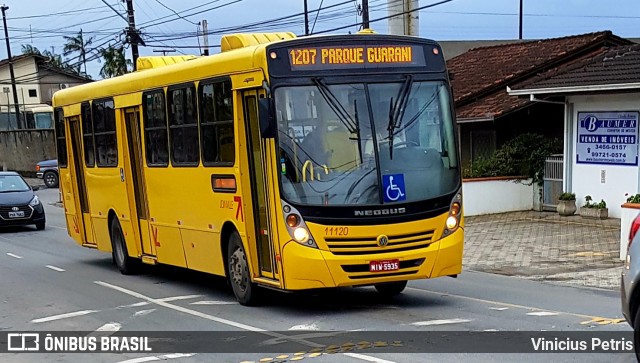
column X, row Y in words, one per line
column 132, row 32
column 13, row 77
column 520, row 37
column 84, row 59
column 205, row 35
column 365, row 14
column 306, row 18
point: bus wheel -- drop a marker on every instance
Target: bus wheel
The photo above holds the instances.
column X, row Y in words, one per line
column 245, row 291
column 125, row 264
column 391, row 288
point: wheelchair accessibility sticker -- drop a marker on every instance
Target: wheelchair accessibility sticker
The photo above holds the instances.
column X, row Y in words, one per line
column 393, row 185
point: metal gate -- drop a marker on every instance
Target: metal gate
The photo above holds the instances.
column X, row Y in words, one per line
column 552, row 181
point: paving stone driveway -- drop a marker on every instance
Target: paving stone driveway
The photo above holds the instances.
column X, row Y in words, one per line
column 545, row 246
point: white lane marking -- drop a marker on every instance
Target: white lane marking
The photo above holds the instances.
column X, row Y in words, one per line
column 106, row 329
column 144, row 312
column 14, row 256
column 543, row 313
column 139, row 360
column 55, row 268
column 368, row 358
column 110, row 327
column 313, row 326
column 492, row 302
column 228, row 322
column 499, row 309
column 63, row 228
column 165, row 299
column 441, row 322
column 188, row 311
column 202, row 315
column 490, row 330
column 162, row 357
column 63, row 316
column 177, row 355
column 213, row 302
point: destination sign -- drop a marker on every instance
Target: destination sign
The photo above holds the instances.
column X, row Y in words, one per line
column 344, row 57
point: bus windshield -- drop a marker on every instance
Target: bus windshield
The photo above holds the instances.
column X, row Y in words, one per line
column 366, row 143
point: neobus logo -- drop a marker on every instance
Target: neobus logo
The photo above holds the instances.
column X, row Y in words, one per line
column 379, row 212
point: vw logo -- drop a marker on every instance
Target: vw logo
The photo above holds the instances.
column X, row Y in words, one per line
column 15, row 209
column 383, row 240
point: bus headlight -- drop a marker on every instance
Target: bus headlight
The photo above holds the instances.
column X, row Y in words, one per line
column 296, row 227
column 301, row 235
column 455, row 212
column 452, row 222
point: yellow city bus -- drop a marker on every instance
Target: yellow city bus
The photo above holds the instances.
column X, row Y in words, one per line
column 281, row 162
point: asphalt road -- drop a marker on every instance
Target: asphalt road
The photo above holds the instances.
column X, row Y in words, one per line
column 48, row 283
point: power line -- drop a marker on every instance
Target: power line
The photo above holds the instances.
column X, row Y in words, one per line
column 173, row 11
column 387, row 17
column 62, row 13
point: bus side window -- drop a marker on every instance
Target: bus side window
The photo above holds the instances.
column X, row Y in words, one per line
column 155, row 129
column 216, row 123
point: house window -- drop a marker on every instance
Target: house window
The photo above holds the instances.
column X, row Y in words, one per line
column 33, row 93
column 216, row 123
column 183, row 126
column 104, row 128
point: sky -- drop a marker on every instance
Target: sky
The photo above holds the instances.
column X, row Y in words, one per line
column 171, row 24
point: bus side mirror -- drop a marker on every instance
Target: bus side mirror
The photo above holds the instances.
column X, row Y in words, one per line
column 267, row 123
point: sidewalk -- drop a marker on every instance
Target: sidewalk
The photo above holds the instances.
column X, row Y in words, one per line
column 545, row 246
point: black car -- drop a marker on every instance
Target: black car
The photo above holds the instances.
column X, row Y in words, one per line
column 18, row 203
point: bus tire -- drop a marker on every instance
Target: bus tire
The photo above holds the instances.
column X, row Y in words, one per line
column 245, row 291
column 389, row 289
column 120, row 255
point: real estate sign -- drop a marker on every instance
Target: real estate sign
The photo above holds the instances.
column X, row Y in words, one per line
column 609, row 138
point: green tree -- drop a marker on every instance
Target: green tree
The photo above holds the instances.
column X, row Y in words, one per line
column 30, row 49
column 115, row 63
column 77, row 44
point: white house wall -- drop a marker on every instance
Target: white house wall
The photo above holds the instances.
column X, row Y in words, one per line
column 26, row 75
column 586, row 179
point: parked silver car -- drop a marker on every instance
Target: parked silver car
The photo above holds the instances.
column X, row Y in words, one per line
column 630, row 284
column 47, row 170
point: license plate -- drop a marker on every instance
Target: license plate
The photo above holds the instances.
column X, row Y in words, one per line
column 385, row 265
column 16, row 214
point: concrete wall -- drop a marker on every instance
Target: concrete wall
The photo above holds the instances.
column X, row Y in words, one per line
column 21, row 150
column 496, row 195
column 587, row 179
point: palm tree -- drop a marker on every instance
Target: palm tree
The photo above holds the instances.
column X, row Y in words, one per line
column 115, row 63
column 77, row 45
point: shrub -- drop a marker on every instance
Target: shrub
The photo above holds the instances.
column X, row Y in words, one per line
column 523, row 155
column 601, row 205
column 633, row 198
column 567, row 196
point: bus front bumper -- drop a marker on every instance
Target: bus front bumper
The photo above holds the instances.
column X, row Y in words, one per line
column 309, row 268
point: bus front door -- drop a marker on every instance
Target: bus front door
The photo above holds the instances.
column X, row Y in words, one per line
column 134, row 172
column 78, row 176
column 261, row 182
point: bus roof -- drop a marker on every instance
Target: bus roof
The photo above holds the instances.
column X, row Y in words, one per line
column 239, row 52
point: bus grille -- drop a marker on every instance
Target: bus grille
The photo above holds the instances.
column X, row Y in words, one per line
column 4, row 212
column 369, row 245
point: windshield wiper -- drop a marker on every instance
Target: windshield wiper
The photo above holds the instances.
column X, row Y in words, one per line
column 396, row 111
column 337, row 108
